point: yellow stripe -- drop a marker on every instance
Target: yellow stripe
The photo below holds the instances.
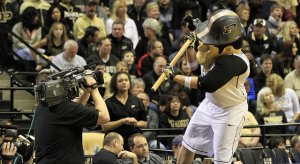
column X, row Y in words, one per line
column 213, row 19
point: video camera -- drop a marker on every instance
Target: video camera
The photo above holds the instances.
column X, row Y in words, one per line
column 64, row 86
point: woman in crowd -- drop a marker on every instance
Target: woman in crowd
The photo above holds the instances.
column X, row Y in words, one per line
column 269, row 113
column 53, row 42
column 283, row 62
column 30, row 31
column 290, row 32
column 285, row 98
column 128, row 58
column 127, row 112
column 119, row 11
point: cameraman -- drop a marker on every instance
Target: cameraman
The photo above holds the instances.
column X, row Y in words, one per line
column 58, row 129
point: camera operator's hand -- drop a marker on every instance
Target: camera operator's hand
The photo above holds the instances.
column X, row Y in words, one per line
column 9, row 150
column 91, row 83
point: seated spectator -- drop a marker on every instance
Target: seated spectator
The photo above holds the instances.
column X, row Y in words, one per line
column 152, row 121
column 138, row 145
column 274, row 23
column 276, row 142
column 152, row 30
column 248, row 142
column 121, row 67
column 29, row 30
column 295, row 142
column 259, row 41
column 113, row 151
column 176, row 145
column 87, row 44
column 69, row 58
column 104, row 56
column 174, row 116
column 266, row 70
column 54, row 15
column 150, row 78
column 290, row 32
column 53, row 43
column 285, row 98
column 127, row 112
column 71, row 14
column 283, row 61
column 128, row 58
column 145, row 63
column 292, row 80
column 120, row 43
column 89, row 19
column 119, row 12
column 269, row 113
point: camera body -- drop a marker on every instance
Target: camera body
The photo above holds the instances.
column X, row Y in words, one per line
column 64, row 86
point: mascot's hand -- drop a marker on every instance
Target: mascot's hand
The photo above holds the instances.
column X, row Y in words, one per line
column 192, row 37
column 168, row 71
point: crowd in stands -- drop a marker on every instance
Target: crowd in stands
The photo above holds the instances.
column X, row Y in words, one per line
column 131, row 40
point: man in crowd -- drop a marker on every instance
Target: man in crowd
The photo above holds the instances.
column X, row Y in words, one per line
column 138, row 145
column 113, row 151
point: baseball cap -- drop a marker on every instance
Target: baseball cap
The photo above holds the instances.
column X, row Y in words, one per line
column 91, row 2
column 259, row 21
column 177, row 140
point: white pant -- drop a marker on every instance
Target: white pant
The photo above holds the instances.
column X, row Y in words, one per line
column 214, row 131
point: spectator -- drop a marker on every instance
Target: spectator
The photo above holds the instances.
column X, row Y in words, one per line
column 290, row 32
column 176, row 145
column 54, row 42
column 68, row 58
column 253, row 64
column 30, row 31
column 89, row 19
column 269, row 113
column 145, row 63
column 139, row 146
column 137, row 12
column 150, row 78
column 292, row 80
column 243, row 11
column 283, row 62
column 153, row 11
column 274, row 23
column 259, row 41
column 174, row 116
column 152, row 30
column 249, row 142
column 54, row 14
column 127, row 112
column 295, row 142
column 178, row 41
column 138, row 86
column 121, row 67
column 152, row 120
column 120, row 43
column 119, row 12
column 285, row 98
column 71, row 13
column 104, row 56
column 113, row 151
column 166, row 13
column 128, row 58
column 266, row 69
column 87, row 44
column 41, row 5
column 276, row 142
